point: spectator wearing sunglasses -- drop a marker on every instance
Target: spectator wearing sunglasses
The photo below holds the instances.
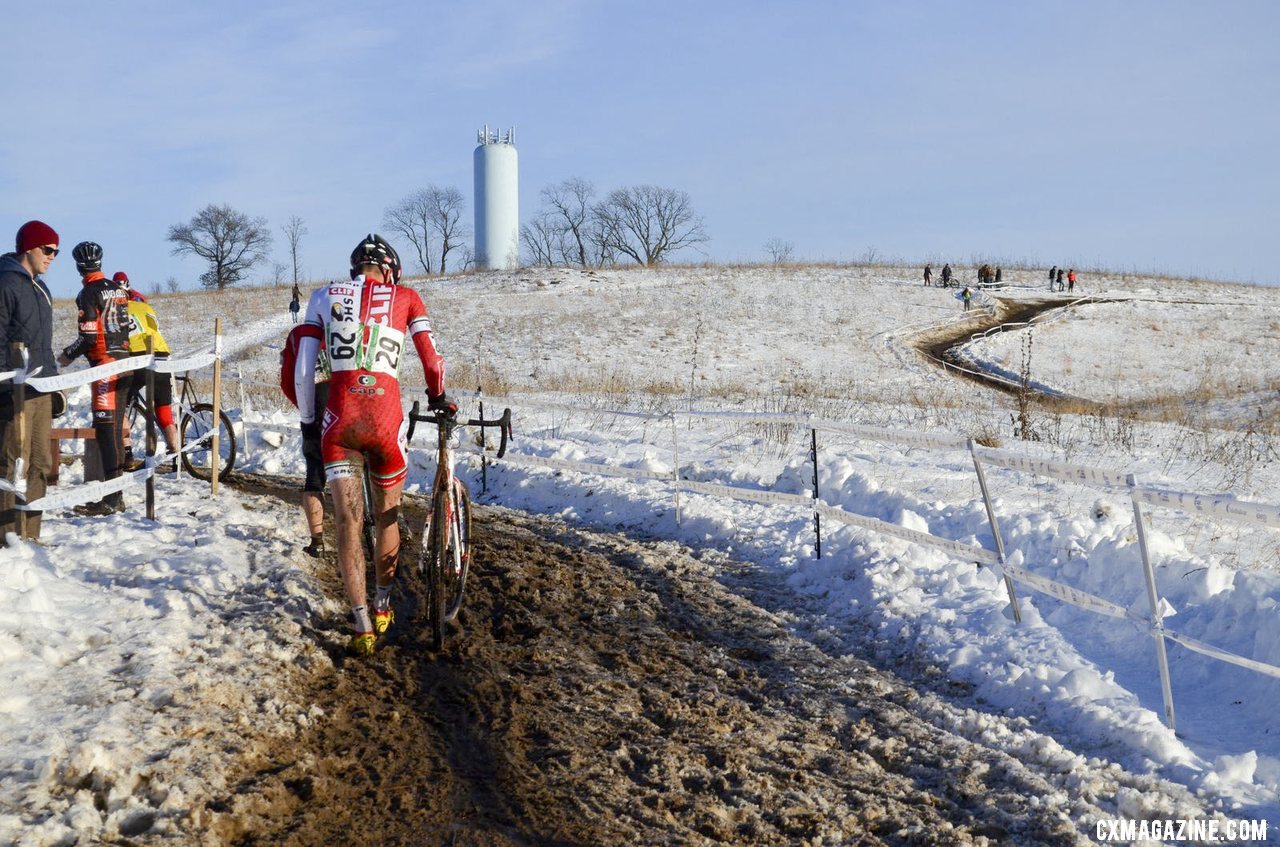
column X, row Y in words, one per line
column 26, row 315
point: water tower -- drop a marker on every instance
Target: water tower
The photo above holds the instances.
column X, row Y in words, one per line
column 497, row 201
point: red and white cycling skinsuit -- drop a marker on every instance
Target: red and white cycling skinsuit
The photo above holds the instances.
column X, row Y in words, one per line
column 364, row 324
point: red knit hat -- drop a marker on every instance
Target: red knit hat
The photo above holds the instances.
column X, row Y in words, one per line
column 33, row 234
column 120, row 276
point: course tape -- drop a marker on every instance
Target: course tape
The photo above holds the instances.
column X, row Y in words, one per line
column 754, row 495
column 1056, row 470
column 581, row 467
column 1222, row 655
column 72, row 379
column 1228, row 508
column 86, row 493
column 968, row 552
column 945, row 441
column 1067, row 594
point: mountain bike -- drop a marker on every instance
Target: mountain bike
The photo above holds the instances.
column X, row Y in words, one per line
column 446, row 539
column 195, row 427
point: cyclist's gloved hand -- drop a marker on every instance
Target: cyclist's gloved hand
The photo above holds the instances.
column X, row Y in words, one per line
column 442, row 405
column 311, row 431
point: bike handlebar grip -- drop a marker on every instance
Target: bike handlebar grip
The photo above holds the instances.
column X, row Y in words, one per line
column 504, row 426
column 413, row 422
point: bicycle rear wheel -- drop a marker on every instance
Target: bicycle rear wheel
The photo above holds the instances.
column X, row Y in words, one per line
column 197, row 426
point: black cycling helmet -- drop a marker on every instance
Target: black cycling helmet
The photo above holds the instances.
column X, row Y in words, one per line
column 88, row 256
column 374, row 250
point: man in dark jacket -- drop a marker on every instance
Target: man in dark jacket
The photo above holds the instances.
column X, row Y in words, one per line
column 26, row 316
column 104, row 338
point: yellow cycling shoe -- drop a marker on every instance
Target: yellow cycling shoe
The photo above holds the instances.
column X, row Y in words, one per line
column 362, row 643
column 382, row 621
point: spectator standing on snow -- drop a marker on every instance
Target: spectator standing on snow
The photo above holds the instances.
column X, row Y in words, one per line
column 1053, row 272
column 928, row 275
column 966, row 295
column 998, row 274
column 295, row 304
column 1061, row 285
column 26, row 316
column 946, row 275
column 1071, row 280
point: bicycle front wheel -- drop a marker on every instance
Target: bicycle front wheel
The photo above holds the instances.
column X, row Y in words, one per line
column 197, row 428
column 459, row 552
column 435, row 558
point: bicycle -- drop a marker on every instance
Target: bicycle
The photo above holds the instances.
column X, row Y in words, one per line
column 446, row 540
column 195, row 427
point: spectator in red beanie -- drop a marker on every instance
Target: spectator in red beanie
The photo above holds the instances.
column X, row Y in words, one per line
column 26, row 316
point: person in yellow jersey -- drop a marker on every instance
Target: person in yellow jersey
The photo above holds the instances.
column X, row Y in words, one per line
column 144, row 324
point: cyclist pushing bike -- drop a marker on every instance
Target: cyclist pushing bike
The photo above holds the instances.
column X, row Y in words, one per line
column 364, row 324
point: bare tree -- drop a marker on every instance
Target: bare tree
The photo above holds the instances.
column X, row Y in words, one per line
column 780, row 252
column 294, row 230
column 230, row 241
column 425, row 216
column 647, row 222
column 278, row 273
column 571, row 201
column 173, row 285
column 541, row 238
column 444, row 207
column 411, row 218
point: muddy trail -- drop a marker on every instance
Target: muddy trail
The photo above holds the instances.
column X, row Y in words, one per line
column 599, row 690
column 937, row 346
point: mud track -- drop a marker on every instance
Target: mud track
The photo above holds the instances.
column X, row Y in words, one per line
column 602, row 691
column 937, row 345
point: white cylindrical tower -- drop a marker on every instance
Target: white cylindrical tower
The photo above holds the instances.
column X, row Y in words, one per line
column 497, row 201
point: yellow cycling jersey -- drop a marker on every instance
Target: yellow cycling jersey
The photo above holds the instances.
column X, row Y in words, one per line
column 142, row 323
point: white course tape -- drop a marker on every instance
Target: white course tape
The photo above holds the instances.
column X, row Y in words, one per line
column 84, row 377
column 88, row 492
column 192, row 363
column 581, row 467
column 1222, row 655
column 1228, row 508
column 561, row 407
column 7, row 375
column 1055, row 470
column 942, row 441
column 1067, row 594
column 755, row 495
column 967, row 552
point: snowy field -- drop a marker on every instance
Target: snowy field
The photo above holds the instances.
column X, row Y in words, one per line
column 133, row 650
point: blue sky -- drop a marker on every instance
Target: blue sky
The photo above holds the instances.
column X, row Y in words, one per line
column 1123, row 134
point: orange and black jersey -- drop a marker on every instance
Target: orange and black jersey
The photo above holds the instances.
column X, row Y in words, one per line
column 104, row 321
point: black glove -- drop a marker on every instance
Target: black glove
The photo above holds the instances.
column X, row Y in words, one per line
column 311, row 431
column 442, row 405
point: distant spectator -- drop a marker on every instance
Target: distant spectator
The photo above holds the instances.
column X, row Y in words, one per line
column 295, row 304
column 998, row 275
column 1071, row 280
column 1061, row 285
column 966, row 296
column 1053, row 272
column 946, row 275
column 928, row 275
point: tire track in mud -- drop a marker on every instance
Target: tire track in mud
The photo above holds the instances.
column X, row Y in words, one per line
column 599, row 690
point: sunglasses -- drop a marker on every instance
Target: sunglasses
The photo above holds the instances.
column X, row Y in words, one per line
column 50, row 251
